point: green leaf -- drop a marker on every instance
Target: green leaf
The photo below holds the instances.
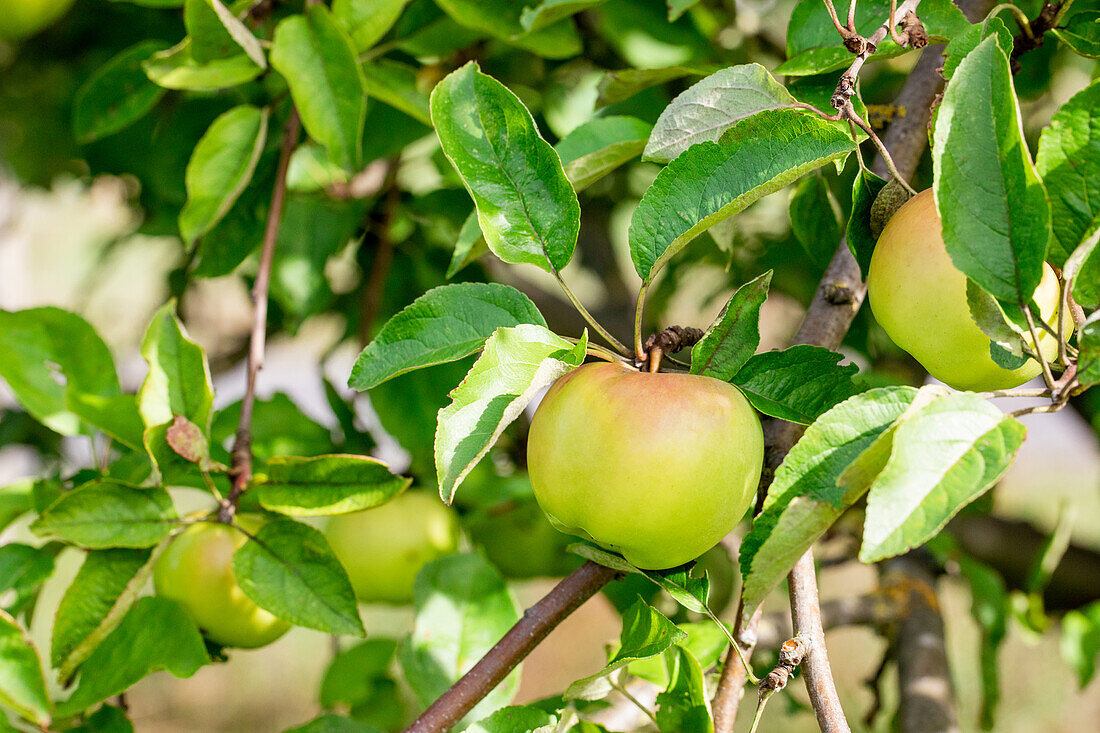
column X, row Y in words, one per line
column 1082, row 269
column 526, row 207
column 944, row 456
column 46, row 353
column 690, row 591
column 711, row 107
column 289, row 570
column 1069, row 163
column 536, row 17
column 713, row 181
column 599, row 146
column 1007, row 339
column 804, row 499
column 366, row 21
column 684, row 706
column 463, row 608
column 676, row 8
column 816, row 219
column 735, row 333
column 968, row 40
column 442, row 325
column 1081, row 641
column 860, row 237
column 325, row 79
column 469, row 246
column 996, row 217
column 221, row 167
column 176, row 68
column 646, row 633
column 1088, row 360
column 394, row 83
column 501, row 19
column 105, row 587
column 622, row 84
column 352, row 676
column 15, row 501
column 515, row 719
column 117, row 416
column 156, row 634
column 107, row 719
column 325, row 485
column 109, row 513
column 116, row 95
column 217, row 33
column 1082, row 33
column 516, row 364
column 22, row 686
column 23, row 570
column 814, row 47
column 796, row 384
column 178, row 382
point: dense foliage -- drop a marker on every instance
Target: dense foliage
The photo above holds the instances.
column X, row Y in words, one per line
column 484, row 194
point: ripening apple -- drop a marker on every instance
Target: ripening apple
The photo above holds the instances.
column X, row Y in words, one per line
column 383, row 548
column 919, row 298
column 196, row 571
column 657, row 467
column 23, row 18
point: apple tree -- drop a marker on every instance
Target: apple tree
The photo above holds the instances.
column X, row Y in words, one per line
column 505, row 205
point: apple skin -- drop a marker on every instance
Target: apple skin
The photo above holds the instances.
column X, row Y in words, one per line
column 918, row 296
column 383, row 548
column 23, row 18
column 657, row 467
column 196, row 571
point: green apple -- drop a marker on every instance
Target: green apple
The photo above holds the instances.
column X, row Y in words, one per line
column 23, row 18
column 657, row 467
column 196, row 571
column 919, row 297
column 384, row 548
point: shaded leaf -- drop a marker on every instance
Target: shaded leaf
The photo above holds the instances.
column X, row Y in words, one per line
column 1088, row 360
column 1082, row 33
column 366, row 21
column 1081, row 641
column 325, row 485
column 463, row 608
column 733, row 337
column 109, row 513
column 599, row 146
column 22, row 686
column 178, row 382
column 816, row 218
column 545, row 12
column 325, row 79
column 116, row 95
column 860, row 236
column 155, row 634
column 288, row 568
column 501, row 19
column 1069, row 163
column 796, row 384
column 621, row 84
column 395, row 84
column 684, row 706
column 107, row 583
column 221, row 167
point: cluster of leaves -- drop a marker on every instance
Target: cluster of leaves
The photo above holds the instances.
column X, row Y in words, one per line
column 359, row 74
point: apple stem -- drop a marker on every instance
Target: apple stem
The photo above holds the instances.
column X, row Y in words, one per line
column 1047, row 376
column 655, row 355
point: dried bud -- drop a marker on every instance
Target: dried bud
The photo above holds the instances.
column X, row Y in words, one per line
column 889, row 200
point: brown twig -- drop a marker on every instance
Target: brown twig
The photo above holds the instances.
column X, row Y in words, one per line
column 383, row 255
column 927, row 698
column 538, row 621
column 806, row 615
column 240, row 471
column 1032, row 38
column 732, row 681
